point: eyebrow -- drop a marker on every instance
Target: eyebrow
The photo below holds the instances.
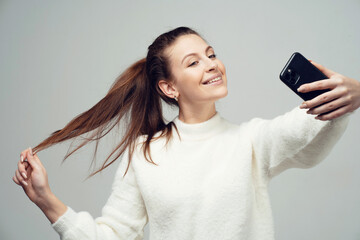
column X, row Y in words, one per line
column 187, row 55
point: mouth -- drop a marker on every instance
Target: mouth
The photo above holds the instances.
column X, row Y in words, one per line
column 212, row 80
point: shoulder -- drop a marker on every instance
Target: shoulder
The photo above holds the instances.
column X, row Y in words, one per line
column 294, row 114
column 156, row 139
column 231, row 128
column 156, row 142
column 257, row 123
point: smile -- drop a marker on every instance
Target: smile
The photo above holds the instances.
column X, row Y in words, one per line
column 213, row 80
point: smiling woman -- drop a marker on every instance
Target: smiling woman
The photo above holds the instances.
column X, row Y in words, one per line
column 198, row 78
column 206, row 178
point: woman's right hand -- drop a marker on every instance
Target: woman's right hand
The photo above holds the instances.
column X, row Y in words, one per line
column 32, row 176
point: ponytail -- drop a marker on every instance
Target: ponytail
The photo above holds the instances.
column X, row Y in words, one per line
column 134, row 95
column 130, row 96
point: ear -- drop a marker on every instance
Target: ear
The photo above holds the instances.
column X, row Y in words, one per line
column 168, row 88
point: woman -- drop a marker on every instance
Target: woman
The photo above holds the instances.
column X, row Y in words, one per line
column 199, row 176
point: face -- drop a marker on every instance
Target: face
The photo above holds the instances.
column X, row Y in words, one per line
column 198, row 76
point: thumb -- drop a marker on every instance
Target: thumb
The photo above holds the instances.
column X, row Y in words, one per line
column 323, row 69
column 37, row 160
column 32, row 161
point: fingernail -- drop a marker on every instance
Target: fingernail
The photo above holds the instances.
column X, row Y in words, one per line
column 22, row 158
column 303, row 105
column 25, row 183
column 24, row 175
column 301, row 88
column 31, row 151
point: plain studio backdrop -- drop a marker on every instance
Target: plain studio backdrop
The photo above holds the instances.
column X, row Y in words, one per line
column 59, row 58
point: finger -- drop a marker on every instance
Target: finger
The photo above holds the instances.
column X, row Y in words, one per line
column 322, row 98
column 334, row 114
column 23, row 154
column 20, row 178
column 327, row 107
column 318, row 85
column 37, row 160
column 26, row 165
column 32, row 161
column 22, row 170
column 16, row 181
column 323, row 69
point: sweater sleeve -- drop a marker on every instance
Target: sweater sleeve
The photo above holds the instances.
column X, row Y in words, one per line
column 294, row 140
column 123, row 216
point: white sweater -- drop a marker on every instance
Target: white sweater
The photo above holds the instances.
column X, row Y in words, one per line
column 211, row 184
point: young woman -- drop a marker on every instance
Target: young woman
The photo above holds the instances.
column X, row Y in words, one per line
column 198, row 176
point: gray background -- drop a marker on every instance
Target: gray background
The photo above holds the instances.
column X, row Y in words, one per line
column 59, row 58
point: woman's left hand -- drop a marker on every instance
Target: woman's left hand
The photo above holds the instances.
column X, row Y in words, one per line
column 344, row 95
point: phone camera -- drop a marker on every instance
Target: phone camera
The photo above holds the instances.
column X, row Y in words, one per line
column 291, row 76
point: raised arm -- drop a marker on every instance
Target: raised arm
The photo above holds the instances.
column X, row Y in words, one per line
column 32, row 176
column 293, row 140
column 124, row 215
column 297, row 139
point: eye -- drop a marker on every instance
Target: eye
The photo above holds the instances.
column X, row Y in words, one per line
column 212, row 56
column 193, row 63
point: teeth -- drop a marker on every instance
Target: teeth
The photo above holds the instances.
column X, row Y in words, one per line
column 214, row 80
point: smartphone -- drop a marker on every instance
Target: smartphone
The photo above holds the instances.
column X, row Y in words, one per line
column 297, row 71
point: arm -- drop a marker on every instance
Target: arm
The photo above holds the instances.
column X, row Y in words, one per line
column 123, row 217
column 53, row 208
column 293, row 140
column 296, row 139
column 32, row 176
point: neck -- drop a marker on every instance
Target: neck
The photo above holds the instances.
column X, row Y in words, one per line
column 197, row 114
column 202, row 130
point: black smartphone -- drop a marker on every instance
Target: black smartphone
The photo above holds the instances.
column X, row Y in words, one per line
column 297, row 71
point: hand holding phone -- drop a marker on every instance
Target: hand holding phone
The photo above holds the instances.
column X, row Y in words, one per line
column 297, row 71
column 340, row 94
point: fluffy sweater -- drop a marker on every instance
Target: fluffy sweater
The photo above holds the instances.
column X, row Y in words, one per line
column 211, row 181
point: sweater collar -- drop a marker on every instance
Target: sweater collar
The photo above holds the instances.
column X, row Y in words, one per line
column 198, row 131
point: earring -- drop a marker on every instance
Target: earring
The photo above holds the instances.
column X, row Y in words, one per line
column 175, row 98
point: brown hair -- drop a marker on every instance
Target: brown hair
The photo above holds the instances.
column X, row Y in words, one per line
column 136, row 93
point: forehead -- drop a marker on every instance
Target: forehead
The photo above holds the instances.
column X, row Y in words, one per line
column 185, row 44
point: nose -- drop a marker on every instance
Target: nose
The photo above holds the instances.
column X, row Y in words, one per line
column 211, row 65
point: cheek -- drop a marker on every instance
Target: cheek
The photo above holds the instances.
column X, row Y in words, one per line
column 189, row 83
column 182, row 82
column 222, row 67
column 192, row 77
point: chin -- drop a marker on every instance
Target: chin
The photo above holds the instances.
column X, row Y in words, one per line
column 222, row 94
